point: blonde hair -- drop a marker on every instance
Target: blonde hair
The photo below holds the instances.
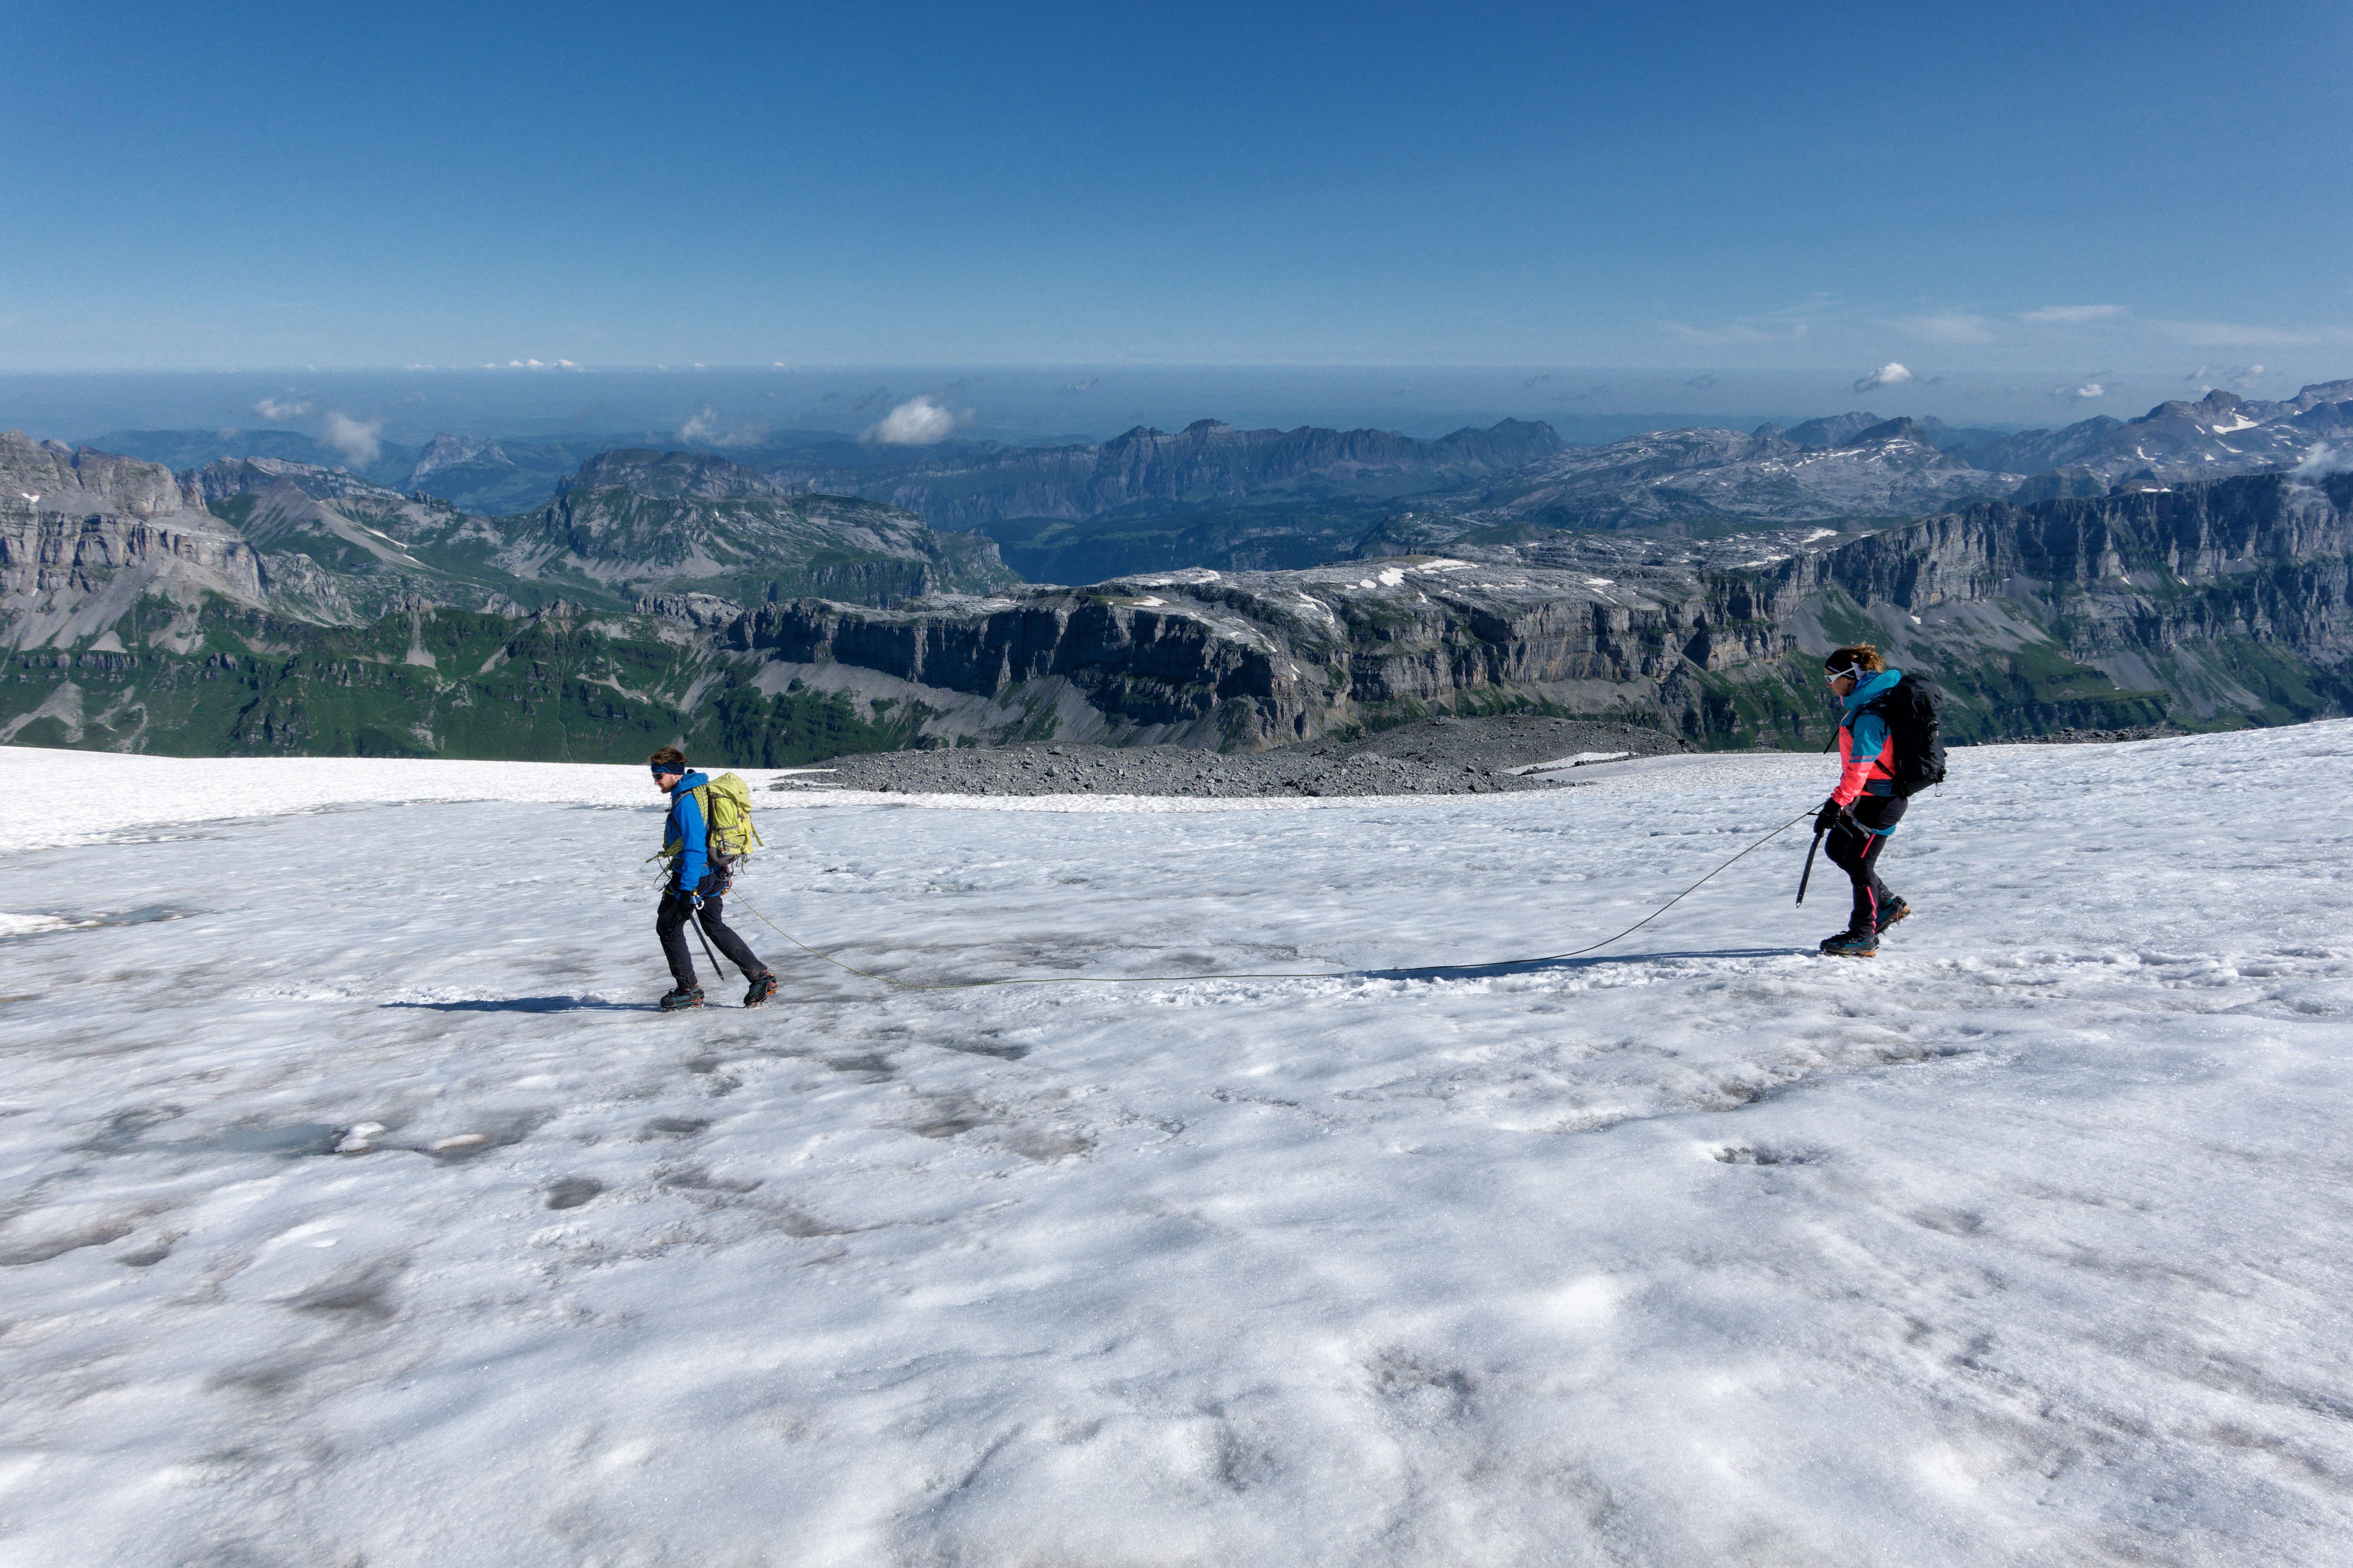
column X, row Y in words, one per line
column 1857, row 655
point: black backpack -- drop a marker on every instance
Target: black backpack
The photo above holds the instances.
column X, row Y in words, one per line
column 1914, row 712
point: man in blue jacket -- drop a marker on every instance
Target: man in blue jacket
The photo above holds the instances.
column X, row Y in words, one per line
column 1864, row 808
column 697, row 886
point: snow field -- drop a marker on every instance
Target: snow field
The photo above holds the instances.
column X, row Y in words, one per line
column 2025, row 1242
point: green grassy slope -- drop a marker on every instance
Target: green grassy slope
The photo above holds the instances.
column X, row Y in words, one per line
column 444, row 683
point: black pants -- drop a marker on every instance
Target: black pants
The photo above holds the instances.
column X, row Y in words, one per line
column 1855, row 848
column 669, row 924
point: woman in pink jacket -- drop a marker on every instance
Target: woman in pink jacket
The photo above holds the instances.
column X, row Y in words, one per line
column 1864, row 808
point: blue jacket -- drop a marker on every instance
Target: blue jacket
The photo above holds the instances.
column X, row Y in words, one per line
column 1866, row 750
column 684, row 826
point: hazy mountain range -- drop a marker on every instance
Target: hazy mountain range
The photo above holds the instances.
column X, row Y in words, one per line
column 1212, row 495
column 259, row 602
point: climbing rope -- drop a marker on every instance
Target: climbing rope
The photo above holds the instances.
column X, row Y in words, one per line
column 1239, row 974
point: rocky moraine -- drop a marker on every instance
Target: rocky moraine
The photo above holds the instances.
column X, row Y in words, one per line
column 1433, row 756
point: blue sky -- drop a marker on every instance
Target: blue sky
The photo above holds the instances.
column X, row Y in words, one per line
column 2095, row 190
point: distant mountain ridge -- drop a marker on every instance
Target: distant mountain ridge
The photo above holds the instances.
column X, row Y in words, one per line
column 262, row 605
column 2210, row 604
column 1071, row 511
column 2220, row 434
column 86, row 535
column 1208, row 463
column 1712, row 478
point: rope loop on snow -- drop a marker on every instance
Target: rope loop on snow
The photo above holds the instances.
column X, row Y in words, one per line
column 1805, row 815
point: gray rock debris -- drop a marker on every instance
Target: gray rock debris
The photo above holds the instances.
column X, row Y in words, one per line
column 1429, row 756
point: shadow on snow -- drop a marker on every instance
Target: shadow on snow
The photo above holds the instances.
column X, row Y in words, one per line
column 529, row 1004
column 1511, row 966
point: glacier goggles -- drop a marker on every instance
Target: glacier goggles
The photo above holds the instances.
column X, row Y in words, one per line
column 1852, row 672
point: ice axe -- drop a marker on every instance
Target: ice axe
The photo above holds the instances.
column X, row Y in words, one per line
column 1809, row 874
column 718, row 975
column 694, row 919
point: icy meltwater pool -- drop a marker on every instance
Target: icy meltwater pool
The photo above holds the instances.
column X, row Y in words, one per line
column 2024, row 1242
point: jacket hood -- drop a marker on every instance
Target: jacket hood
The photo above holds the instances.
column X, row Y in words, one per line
column 693, row 780
column 1872, row 686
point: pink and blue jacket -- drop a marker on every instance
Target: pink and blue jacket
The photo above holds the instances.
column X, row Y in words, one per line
column 1866, row 750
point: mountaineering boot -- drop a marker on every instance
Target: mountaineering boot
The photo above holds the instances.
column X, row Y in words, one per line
column 685, row 996
column 764, row 985
column 1893, row 911
column 1852, row 944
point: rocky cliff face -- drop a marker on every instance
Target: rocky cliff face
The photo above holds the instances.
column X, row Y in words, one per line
column 2148, row 538
column 1250, row 659
column 636, row 520
column 672, row 475
column 84, row 535
column 651, row 520
column 2217, row 603
column 1712, row 479
column 232, row 477
column 2210, row 604
column 50, row 475
column 2228, row 597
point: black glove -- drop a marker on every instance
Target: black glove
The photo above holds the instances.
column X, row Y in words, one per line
column 1826, row 818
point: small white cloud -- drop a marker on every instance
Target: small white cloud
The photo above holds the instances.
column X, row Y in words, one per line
column 566, row 364
column 362, row 444
column 2197, row 374
column 1889, row 375
column 706, row 429
column 278, row 413
column 2072, row 314
column 2088, row 390
column 918, row 422
column 2246, row 378
column 2321, row 462
column 1086, row 385
column 1947, row 329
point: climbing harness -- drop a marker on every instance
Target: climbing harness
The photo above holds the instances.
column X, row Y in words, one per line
column 1237, row 974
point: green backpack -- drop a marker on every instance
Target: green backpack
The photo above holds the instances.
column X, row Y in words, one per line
column 728, row 833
